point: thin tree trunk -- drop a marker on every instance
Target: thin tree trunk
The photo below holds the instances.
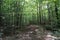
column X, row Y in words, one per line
column 49, row 14
column 56, row 11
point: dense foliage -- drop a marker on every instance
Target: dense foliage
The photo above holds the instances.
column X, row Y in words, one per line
column 15, row 15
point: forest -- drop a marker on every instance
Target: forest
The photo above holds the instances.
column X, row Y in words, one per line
column 33, row 18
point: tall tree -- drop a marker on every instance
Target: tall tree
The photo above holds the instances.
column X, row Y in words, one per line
column 57, row 15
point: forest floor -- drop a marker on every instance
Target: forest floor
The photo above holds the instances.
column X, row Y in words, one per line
column 33, row 34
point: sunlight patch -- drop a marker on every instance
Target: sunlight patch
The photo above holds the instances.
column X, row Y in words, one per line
column 27, row 0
